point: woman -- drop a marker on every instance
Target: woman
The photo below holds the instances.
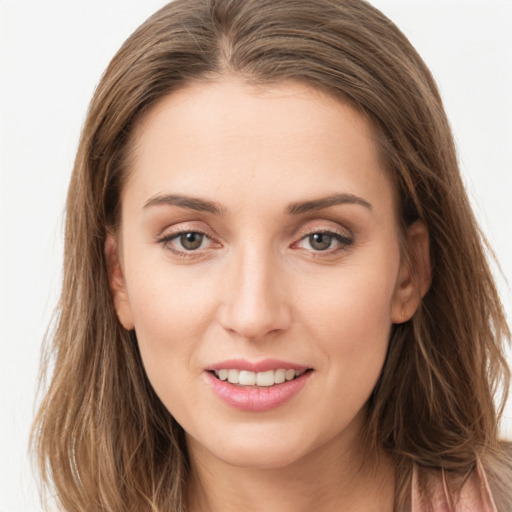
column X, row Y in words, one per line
column 275, row 292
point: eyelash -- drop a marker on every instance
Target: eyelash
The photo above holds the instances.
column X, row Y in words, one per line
column 344, row 241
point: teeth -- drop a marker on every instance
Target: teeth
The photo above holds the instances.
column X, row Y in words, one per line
column 290, row 374
column 263, row 379
column 247, row 378
column 233, row 376
column 280, row 376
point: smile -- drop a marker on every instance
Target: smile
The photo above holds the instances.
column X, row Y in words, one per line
column 260, row 379
column 259, row 388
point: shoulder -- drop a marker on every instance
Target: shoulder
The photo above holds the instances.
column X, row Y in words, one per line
column 436, row 490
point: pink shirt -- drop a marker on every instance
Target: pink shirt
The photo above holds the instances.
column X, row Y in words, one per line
column 429, row 492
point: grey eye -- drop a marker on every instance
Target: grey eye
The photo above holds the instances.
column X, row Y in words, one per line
column 191, row 241
column 320, row 241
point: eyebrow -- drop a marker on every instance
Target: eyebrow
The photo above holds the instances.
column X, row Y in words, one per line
column 301, row 207
column 191, row 203
column 295, row 208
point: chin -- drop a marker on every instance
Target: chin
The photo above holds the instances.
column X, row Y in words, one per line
column 258, row 457
column 254, row 448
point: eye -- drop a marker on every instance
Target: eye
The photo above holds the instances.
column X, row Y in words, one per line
column 320, row 241
column 191, row 240
column 186, row 243
column 325, row 241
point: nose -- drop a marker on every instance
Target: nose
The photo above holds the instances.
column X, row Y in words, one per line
column 255, row 303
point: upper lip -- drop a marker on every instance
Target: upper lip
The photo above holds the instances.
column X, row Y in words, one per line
column 256, row 366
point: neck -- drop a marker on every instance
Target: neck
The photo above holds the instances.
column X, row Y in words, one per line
column 333, row 477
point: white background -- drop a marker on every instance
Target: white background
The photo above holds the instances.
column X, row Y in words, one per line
column 51, row 57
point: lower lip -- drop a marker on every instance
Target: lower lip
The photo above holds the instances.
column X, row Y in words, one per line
column 257, row 399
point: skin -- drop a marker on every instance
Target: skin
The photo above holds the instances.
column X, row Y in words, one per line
column 259, row 287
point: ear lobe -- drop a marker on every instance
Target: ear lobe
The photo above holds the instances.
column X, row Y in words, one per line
column 117, row 283
column 415, row 274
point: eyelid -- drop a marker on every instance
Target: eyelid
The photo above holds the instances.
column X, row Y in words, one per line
column 321, row 227
column 310, row 230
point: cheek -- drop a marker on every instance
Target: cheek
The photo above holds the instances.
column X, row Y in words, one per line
column 349, row 321
column 169, row 313
column 352, row 298
column 167, row 299
column 350, row 335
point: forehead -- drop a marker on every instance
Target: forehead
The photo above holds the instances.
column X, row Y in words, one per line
column 236, row 142
column 232, row 109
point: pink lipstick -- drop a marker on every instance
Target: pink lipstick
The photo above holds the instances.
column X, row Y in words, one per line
column 256, row 386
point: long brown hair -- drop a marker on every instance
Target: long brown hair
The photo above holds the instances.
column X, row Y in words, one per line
column 104, row 440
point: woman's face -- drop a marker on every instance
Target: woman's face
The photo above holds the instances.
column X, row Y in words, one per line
column 259, row 236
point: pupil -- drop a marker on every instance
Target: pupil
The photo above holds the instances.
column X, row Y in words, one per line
column 320, row 241
column 191, row 241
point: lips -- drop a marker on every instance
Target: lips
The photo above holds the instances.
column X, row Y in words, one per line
column 257, row 386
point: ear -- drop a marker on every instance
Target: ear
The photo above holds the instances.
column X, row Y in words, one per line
column 117, row 283
column 415, row 274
